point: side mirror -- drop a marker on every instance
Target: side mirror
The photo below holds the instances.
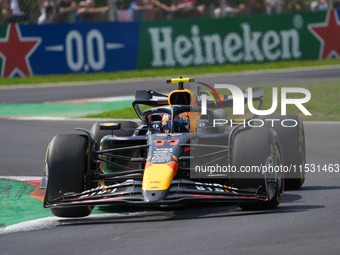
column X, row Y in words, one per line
column 109, row 126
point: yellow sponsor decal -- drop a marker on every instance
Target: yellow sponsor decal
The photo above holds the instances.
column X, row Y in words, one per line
column 278, row 200
column 48, row 147
column 272, row 150
column 158, row 176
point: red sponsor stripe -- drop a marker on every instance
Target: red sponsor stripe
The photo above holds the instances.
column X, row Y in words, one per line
column 203, row 196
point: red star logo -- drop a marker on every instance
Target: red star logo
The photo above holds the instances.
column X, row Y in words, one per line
column 15, row 52
column 328, row 34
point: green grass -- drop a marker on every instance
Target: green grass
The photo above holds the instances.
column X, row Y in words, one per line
column 164, row 72
column 324, row 104
column 127, row 113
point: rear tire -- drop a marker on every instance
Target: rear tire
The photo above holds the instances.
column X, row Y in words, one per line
column 256, row 147
column 293, row 148
column 66, row 170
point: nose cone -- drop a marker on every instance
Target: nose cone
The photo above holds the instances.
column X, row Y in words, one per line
column 153, row 195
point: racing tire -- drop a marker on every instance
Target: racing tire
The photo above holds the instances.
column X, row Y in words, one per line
column 66, row 171
column 127, row 129
column 293, row 148
column 254, row 147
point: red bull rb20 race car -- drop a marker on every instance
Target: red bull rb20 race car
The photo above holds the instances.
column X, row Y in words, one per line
column 179, row 154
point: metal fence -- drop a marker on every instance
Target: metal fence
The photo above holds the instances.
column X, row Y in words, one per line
column 53, row 11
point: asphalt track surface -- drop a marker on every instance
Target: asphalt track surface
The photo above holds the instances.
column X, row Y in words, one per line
column 307, row 221
column 49, row 93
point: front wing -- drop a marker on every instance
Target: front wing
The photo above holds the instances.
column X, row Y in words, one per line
column 130, row 192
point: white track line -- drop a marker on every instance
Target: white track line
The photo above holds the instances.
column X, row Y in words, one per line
column 94, row 100
column 21, row 178
column 52, row 222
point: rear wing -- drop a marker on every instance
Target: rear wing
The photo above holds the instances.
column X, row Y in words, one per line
column 154, row 99
column 151, row 98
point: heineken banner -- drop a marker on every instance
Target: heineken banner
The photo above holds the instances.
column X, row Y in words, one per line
column 245, row 39
column 27, row 50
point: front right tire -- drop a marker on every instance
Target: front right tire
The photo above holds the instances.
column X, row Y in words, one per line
column 66, row 171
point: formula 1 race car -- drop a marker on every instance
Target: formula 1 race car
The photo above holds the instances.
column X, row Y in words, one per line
column 179, row 154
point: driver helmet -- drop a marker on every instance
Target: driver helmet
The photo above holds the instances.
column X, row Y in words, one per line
column 181, row 122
